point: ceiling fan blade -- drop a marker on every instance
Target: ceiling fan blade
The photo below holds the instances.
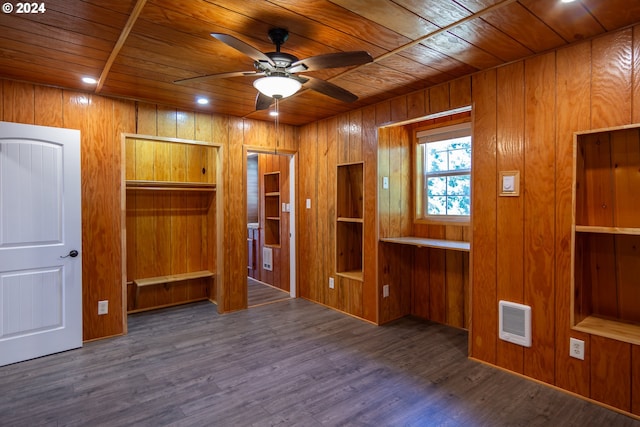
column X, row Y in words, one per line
column 330, row 89
column 220, row 75
column 330, row 60
column 243, row 47
column 263, row 101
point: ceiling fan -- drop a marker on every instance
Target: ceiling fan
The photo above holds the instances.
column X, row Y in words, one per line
column 279, row 70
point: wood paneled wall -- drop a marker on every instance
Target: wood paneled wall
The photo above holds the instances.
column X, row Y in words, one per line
column 101, row 122
column 524, row 115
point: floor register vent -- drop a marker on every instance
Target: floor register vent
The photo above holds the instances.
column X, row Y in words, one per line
column 515, row 323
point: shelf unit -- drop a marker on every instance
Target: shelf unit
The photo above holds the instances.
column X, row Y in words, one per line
column 271, row 186
column 169, row 185
column 349, row 220
column 606, row 234
column 170, row 221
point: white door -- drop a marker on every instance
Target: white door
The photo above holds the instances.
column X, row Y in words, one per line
column 40, row 241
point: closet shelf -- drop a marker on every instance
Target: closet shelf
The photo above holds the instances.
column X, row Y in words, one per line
column 607, row 230
column 348, row 219
column 160, row 280
column 169, row 185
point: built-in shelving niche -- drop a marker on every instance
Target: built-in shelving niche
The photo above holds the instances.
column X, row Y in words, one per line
column 606, row 235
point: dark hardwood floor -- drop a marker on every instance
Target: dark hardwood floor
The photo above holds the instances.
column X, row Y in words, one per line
column 294, row 363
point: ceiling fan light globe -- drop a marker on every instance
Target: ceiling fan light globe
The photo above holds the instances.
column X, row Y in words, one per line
column 277, row 87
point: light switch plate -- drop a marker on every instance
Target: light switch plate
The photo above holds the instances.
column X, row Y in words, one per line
column 308, row 203
column 385, row 182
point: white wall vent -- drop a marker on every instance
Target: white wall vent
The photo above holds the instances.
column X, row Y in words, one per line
column 267, row 258
column 515, row 323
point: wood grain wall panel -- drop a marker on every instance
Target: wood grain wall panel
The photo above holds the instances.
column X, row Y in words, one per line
column 611, row 372
column 355, row 136
column 370, row 235
column 417, row 104
column 454, row 281
column 460, row 92
column 329, row 128
column 343, row 138
column 635, row 94
column 326, row 216
column 484, row 220
column 147, row 119
column 186, row 125
column 611, row 80
column 396, row 188
column 384, row 170
column 18, row 102
column 539, row 222
column 635, row 379
column 627, row 272
column 572, row 83
column 439, row 98
column 420, row 291
column 510, row 210
column 399, row 109
column 235, row 224
column 305, row 219
column 625, row 156
column 101, row 223
column 167, row 121
column 48, row 106
column 437, row 280
column 597, row 181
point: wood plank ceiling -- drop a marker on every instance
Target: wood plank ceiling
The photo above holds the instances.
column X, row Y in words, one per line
column 138, row 48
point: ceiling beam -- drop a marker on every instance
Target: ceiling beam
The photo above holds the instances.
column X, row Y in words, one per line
column 137, row 9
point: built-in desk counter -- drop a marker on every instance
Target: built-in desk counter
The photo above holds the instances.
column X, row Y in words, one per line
column 454, row 245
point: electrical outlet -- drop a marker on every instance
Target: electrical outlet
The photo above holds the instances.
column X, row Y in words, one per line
column 332, row 284
column 385, row 291
column 103, row 307
column 576, row 348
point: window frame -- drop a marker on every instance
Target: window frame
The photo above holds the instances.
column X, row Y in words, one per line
column 429, row 132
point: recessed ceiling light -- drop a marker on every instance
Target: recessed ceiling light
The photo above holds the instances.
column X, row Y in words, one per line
column 567, row 1
column 202, row 101
column 273, row 113
column 89, row 80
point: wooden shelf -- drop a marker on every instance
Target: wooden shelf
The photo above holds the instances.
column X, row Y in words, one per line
column 272, row 194
column 354, row 274
column 159, row 280
column 345, row 219
column 621, row 331
column 349, row 220
column 607, row 230
column 453, row 245
column 169, row 185
column 273, row 218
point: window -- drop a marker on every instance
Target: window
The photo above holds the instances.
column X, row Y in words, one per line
column 443, row 164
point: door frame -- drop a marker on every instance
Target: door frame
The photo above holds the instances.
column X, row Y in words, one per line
column 293, row 160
